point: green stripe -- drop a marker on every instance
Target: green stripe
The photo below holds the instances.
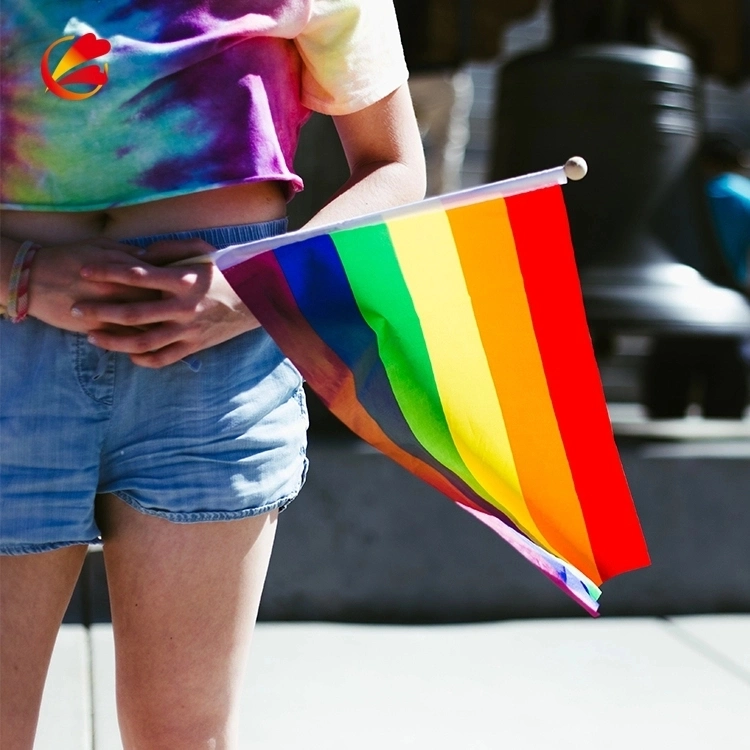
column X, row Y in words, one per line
column 386, row 305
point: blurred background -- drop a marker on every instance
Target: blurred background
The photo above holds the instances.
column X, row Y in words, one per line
column 655, row 94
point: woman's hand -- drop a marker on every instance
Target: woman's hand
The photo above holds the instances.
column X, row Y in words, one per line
column 196, row 308
column 56, row 283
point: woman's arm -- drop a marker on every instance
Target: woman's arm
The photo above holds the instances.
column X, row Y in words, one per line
column 198, row 308
column 384, row 151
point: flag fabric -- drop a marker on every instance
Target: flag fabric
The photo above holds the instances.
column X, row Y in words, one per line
column 450, row 334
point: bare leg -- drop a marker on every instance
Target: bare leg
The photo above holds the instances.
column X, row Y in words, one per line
column 184, row 601
column 34, row 593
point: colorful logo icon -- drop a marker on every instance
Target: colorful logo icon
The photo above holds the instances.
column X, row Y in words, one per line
column 86, row 48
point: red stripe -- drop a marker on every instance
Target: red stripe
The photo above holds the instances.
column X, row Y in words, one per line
column 540, row 228
column 261, row 284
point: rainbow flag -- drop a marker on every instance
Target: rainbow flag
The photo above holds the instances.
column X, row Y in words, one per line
column 450, row 334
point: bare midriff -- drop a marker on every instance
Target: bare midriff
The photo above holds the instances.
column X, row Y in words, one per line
column 227, row 206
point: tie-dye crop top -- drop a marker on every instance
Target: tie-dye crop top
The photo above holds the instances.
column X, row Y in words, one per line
column 116, row 102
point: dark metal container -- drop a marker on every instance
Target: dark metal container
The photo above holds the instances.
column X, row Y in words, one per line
column 633, row 113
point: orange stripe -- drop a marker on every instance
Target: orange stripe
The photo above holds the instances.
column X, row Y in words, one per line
column 496, row 287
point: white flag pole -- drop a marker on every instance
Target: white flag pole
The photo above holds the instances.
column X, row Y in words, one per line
column 574, row 169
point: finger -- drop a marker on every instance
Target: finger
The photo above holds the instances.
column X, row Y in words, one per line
column 164, row 252
column 135, row 251
column 107, row 243
column 130, row 314
column 139, row 342
column 116, row 330
column 174, row 280
column 163, row 357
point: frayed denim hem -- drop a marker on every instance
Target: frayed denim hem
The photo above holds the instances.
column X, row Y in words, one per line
column 30, row 549
column 279, row 504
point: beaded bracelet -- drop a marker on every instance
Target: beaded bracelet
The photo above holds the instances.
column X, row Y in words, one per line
column 18, row 285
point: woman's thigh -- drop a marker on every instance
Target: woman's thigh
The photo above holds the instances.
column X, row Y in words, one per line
column 34, row 592
column 184, row 600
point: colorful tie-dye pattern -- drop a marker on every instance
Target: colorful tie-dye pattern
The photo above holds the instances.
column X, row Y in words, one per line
column 200, row 93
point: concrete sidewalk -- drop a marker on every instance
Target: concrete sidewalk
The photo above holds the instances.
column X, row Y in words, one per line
column 616, row 683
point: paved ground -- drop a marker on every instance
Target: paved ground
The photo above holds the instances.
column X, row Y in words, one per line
column 615, row 683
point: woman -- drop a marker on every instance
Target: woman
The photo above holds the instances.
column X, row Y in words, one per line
column 141, row 402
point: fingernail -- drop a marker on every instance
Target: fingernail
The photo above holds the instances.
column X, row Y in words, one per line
column 76, row 312
column 92, row 339
column 85, row 271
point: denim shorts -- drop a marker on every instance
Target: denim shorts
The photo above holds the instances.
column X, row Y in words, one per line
column 218, row 437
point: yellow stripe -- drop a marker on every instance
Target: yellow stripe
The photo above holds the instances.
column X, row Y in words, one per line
column 430, row 265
